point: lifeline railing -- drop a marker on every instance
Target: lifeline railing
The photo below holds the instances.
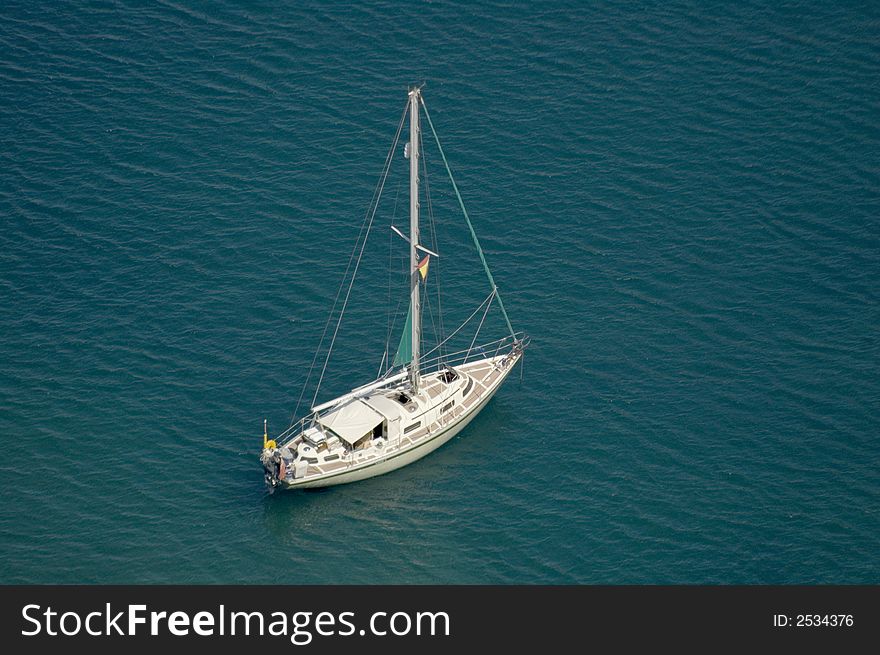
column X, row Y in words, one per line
column 474, row 352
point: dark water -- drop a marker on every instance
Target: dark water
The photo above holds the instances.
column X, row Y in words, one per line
column 679, row 202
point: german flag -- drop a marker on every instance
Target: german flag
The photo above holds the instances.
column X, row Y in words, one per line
column 423, row 266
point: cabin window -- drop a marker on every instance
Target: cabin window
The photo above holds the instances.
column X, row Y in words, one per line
column 414, row 426
column 467, row 388
column 447, row 406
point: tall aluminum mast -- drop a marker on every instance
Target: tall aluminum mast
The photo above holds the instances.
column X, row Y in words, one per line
column 414, row 99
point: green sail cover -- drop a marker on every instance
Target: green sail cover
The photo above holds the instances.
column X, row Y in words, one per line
column 404, row 350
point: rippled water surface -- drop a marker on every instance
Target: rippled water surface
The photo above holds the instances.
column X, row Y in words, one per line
column 679, row 203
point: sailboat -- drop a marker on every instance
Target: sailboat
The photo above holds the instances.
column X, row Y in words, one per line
column 420, row 402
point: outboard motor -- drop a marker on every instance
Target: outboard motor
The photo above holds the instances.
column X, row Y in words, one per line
column 272, row 466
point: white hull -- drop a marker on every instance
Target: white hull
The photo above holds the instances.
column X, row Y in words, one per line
column 399, row 458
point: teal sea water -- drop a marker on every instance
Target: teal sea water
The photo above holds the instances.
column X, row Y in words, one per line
column 679, row 201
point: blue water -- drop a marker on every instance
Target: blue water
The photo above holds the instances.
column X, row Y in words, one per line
column 679, row 201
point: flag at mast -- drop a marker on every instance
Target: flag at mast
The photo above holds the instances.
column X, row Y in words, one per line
column 423, row 266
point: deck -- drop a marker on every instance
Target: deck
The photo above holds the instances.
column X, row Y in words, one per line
column 486, row 375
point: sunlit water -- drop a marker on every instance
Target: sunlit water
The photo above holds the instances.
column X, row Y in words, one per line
column 679, row 202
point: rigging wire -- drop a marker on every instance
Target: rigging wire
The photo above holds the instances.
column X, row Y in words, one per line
column 360, row 245
column 431, row 315
column 460, row 354
column 467, row 218
column 361, row 253
column 435, row 242
column 393, row 325
column 368, row 220
column 466, row 321
column 329, row 319
column 390, row 277
column 479, row 327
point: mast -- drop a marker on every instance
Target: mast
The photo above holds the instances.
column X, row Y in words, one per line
column 414, row 97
